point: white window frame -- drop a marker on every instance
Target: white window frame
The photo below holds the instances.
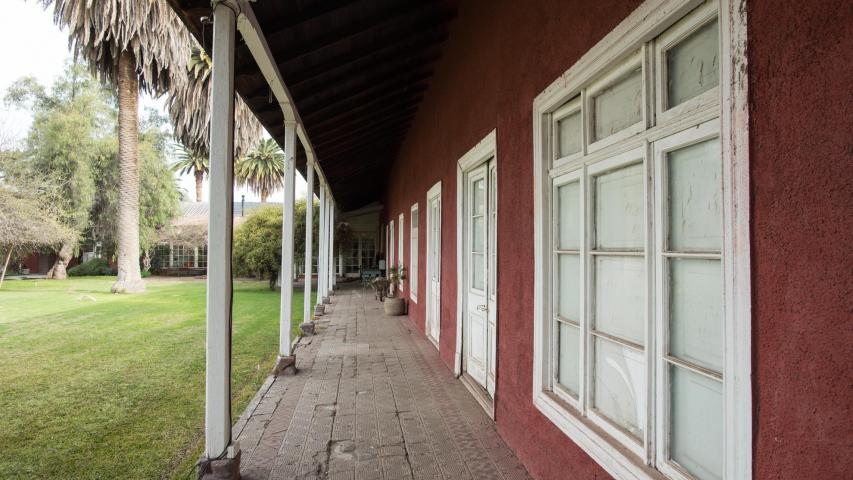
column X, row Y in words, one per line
column 391, row 243
column 414, row 236
column 400, row 246
column 630, row 36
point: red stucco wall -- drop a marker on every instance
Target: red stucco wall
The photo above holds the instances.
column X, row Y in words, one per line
column 500, row 55
column 801, row 156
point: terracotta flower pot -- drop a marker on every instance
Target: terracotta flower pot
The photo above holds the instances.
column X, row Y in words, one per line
column 395, row 306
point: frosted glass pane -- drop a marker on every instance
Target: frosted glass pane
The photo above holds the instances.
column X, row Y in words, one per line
column 569, row 131
column 619, row 209
column 478, row 199
column 618, row 106
column 695, row 189
column 478, row 237
column 620, row 385
column 569, row 216
column 693, row 65
column 696, row 311
column 620, row 290
column 478, row 272
column 568, row 368
column 569, row 287
column 696, row 427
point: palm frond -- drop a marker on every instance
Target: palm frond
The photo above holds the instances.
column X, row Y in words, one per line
column 168, row 60
column 189, row 109
column 98, row 31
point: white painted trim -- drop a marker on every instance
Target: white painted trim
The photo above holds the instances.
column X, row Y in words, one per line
column 401, row 246
column 332, row 273
column 309, row 240
column 484, row 150
column 737, row 291
column 432, row 193
column 285, row 274
column 414, row 254
column 321, row 247
column 217, row 421
column 647, row 21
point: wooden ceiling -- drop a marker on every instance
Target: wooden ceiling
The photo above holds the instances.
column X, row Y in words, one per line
column 356, row 69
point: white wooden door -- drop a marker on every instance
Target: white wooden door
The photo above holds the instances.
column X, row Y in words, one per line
column 492, row 253
column 479, row 329
column 433, row 305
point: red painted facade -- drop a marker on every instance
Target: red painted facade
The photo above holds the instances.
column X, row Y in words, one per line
column 500, row 55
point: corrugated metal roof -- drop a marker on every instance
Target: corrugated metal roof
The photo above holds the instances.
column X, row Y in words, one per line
column 196, row 212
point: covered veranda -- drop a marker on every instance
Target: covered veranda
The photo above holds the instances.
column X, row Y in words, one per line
column 337, row 84
column 371, row 400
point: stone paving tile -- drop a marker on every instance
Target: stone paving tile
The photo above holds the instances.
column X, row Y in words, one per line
column 371, row 400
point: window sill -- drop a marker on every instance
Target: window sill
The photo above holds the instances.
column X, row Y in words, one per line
column 615, row 458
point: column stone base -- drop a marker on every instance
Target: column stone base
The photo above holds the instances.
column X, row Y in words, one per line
column 222, row 469
column 283, row 363
column 326, row 300
column 319, row 309
column 307, row 328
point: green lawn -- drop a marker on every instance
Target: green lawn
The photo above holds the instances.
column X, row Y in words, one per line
column 94, row 385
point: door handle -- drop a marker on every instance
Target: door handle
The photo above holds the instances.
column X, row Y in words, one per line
column 482, row 308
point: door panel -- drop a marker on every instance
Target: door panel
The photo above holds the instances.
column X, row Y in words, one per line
column 492, row 276
column 476, row 335
column 480, row 313
column 433, row 267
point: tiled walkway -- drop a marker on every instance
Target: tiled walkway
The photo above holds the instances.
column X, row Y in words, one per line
column 372, row 400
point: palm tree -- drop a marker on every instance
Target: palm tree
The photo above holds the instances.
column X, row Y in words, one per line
column 189, row 109
column 262, row 169
column 133, row 45
column 189, row 162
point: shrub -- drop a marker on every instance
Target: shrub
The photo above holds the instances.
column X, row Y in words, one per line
column 257, row 245
column 95, row 266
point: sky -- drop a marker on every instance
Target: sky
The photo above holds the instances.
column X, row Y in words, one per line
column 31, row 44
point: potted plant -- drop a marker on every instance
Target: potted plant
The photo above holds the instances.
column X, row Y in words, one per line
column 394, row 304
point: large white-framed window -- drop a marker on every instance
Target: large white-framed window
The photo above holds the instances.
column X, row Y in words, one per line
column 641, row 356
column 412, row 274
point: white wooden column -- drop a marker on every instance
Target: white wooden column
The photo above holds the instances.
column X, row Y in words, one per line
column 309, row 238
column 217, row 433
column 331, row 245
column 286, row 271
column 321, row 253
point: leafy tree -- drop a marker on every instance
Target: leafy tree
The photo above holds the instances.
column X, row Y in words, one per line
column 257, row 242
column 262, row 169
column 257, row 245
column 159, row 196
column 28, row 219
column 299, row 232
column 69, row 134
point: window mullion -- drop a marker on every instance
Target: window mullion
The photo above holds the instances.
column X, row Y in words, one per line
column 661, row 419
column 652, row 339
column 585, row 245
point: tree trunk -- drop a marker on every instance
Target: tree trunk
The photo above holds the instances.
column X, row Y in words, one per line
column 63, row 256
column 273, row 278
column 264, row 197
column 199, row 178
column 129, row 279
column 5, row 267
